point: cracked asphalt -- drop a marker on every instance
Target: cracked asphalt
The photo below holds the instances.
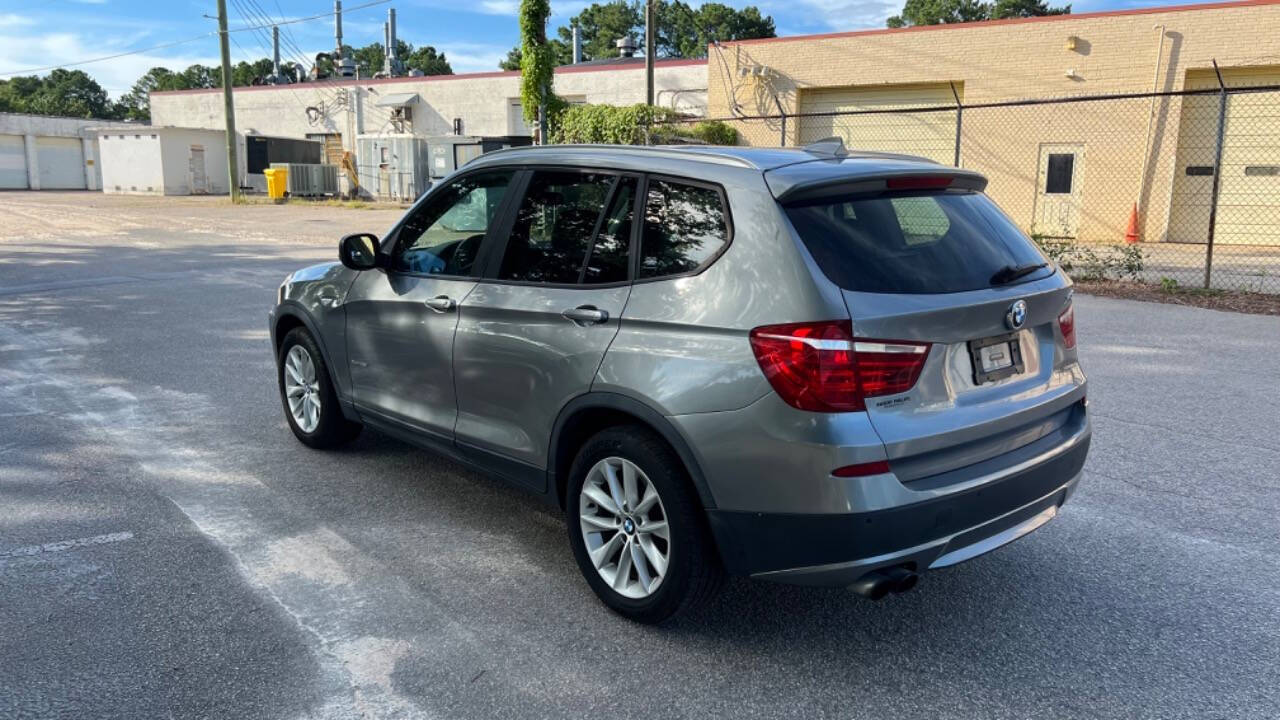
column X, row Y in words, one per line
column 168, row 550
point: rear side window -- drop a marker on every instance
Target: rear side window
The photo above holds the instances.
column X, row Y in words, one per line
column 684, row 227
column 920, row 243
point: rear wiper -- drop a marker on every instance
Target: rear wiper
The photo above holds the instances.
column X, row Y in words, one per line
column 1009, row 273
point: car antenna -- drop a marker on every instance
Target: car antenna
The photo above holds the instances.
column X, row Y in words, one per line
column 827, row 147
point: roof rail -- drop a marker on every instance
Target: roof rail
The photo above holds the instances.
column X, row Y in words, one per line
column 832, row 147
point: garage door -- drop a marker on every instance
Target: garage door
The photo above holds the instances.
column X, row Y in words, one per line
column 1250, row 182
column 61, row 163
column 932, row 134
column 13, row 163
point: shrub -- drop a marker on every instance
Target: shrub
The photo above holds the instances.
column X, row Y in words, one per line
column 625, row 125
column 1094, row 262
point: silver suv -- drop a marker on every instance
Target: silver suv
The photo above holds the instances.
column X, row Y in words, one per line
column 809, row 365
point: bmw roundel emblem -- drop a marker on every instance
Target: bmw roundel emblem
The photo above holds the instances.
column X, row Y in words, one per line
column 1017, row 315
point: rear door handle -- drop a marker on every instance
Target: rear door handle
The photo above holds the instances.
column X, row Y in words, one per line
column 442, row 303
column 586, row 315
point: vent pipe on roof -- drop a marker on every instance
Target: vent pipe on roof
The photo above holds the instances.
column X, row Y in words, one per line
column 337, row 27
column 626, row 47
column 577, row 44
column 275, row 55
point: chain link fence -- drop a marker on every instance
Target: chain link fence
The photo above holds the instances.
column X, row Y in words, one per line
column 1170, row 188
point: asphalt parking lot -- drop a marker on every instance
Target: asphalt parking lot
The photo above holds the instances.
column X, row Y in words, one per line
column 167, row 549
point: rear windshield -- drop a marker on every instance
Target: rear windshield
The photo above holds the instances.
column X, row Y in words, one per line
column 914, row 243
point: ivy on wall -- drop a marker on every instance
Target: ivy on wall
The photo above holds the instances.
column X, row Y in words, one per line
column 626, row 125
column 537, row 63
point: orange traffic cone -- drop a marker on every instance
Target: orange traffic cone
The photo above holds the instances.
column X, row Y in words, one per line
column 1131, row 232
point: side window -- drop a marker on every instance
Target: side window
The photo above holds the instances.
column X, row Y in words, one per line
column 611, row 252
column 684, row 226
column 444, row 235
column 554, row 226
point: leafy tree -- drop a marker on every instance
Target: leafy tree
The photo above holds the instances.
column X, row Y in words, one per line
column 511, row 61
column 425, row 58
column 1025, row 8
column 682, row 30
column 685, row 32
column 601, row 26
column 537, row 65
column 938, row 12
column 66, row 93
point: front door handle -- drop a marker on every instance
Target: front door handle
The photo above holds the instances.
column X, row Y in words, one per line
column 442, row 303
column 586, row 315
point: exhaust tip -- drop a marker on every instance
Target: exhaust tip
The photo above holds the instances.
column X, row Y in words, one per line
column 873, row 586
column 901, row 579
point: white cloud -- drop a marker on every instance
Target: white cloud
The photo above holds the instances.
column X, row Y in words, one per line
column 827, row 15
column 9, row 20
column 499, row 7
column 118, row 75
column 473, row 57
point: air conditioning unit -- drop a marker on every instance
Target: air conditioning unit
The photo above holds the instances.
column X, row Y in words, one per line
column 310, row 180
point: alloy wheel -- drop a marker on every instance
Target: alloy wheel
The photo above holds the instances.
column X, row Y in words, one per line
column 301, row 388
column 624, row 526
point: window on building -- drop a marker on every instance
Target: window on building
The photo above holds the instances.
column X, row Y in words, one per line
column 1060, row 172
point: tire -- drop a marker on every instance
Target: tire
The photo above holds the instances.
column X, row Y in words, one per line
column 693, row 573
column 326, row 427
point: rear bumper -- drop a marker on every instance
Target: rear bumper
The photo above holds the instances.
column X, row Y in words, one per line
column 836, row 549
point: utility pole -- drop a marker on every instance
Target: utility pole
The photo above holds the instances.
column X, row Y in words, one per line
column 650, row 46
column 228, row 106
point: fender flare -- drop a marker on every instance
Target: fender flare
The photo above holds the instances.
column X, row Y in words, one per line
column 646, row 414
column 295, row 310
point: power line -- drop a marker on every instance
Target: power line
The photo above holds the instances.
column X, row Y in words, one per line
column 162, row 46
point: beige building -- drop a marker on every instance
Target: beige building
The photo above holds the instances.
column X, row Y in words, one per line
column 336, row 111
column 1064, row 169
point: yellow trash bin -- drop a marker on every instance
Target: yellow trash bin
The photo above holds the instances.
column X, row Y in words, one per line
column 277, row 182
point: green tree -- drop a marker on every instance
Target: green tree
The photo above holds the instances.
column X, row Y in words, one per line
column 939, row 12
column 601, row 26
column 511, row 61
column 537, row 65
column 686, row 33
column 427, row 59
column 1025, row 8
column 65, row 93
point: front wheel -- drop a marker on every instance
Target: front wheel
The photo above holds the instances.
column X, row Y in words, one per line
column 310, row 402
column 636, row 527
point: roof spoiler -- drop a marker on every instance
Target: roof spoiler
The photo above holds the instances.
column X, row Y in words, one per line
column 800, row 185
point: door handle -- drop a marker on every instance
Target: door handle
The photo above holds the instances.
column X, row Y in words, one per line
column 586, row 315
column 442, row 303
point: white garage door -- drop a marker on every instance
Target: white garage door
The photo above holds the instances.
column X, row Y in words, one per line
column 931, row 134
column 13, row 163
column 61, row 163
column 1250, row 181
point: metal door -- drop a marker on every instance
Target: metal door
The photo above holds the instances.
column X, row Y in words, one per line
column 527, row 346
column 61, row 163
column 13, row 162
column 399, row 345
column 199, row 180
column 1057, row 211
column 401, row 320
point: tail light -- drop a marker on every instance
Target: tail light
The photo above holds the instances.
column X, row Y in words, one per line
column 821, row 367
column 1067, row 324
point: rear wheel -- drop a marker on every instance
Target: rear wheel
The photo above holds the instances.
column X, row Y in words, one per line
column 636, row 527
column 310, row 402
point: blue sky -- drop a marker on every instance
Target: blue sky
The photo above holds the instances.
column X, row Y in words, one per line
column 475, row 35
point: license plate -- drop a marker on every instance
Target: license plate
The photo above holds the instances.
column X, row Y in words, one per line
column 995, row 358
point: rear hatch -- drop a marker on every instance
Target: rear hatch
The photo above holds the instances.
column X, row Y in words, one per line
column 928, row 263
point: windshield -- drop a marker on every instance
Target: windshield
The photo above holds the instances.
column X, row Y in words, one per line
column 916, row 243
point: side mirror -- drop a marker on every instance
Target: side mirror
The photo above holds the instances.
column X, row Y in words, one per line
column 359, row 251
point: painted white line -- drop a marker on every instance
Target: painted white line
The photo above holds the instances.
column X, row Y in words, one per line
column 67, row 544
